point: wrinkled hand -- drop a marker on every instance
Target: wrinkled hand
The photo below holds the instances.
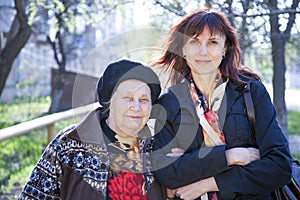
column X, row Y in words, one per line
column 241, row 155
column 171, row 193
column 176, row 152
column 191, row 191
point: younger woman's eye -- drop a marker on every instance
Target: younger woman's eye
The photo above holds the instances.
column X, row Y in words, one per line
column 192, row 41
column 213, row 42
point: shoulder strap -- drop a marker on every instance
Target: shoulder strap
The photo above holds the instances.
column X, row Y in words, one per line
column 249, row 107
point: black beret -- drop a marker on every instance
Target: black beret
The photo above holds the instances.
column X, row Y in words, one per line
column 122, row 70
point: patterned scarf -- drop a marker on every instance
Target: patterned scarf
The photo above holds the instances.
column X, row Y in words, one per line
column 208, row 114
column 127, row 179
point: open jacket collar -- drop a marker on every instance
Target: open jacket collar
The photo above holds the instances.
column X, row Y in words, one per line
column 89, row 129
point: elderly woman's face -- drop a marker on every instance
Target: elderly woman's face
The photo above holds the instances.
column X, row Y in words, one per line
column 130, row 107
column 204, row 53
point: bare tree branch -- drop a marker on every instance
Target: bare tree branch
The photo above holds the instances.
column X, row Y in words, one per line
column 291, row 20
column 17, row 38
column 171, row 8
column 274, row 12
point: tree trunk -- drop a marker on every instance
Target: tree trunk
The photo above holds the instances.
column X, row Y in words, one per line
column 60, row 58
column 278, row 41
column 278, row 56
column 57, row 91
column 18, row 36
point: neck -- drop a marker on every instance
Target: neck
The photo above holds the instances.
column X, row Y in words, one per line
column 205, row 82
column 120, row 135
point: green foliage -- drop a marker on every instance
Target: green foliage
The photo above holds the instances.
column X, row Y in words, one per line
column 69, row 15
column 22, row 109
column 19, row 155
column 297, row 156
column 17, row 180
column 293, row 122
column 16, row 154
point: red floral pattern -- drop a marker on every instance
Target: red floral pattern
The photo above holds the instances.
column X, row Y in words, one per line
column 213, row 120
column 127, row 186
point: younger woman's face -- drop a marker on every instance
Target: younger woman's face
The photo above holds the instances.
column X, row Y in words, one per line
column 204, row 52
column 130, row 107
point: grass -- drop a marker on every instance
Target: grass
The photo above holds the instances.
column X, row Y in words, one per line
column 23, row 109
column 294, row 122
column 19, row 155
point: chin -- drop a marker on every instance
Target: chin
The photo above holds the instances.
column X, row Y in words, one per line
column 134, row 130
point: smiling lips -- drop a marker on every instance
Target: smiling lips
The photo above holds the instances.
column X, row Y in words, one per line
column 202, row 61
column 135, row 117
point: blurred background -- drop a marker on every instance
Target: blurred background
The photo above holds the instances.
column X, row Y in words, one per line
column 53, row 51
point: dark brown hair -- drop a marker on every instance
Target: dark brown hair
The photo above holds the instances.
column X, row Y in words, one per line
column 193, row 25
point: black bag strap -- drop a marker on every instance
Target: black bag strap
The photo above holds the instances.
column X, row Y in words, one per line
column 249, row 106
column 291, row 190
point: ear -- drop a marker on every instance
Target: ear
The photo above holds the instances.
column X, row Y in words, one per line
column 183, row 52
column 224, row 51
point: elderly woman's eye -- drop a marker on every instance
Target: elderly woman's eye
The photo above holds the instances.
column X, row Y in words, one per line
column 145, row 100
column 128, row 98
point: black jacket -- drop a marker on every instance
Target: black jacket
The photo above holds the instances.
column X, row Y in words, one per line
column 178, row 126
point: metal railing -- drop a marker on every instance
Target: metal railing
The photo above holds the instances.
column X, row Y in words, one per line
column 45, row 121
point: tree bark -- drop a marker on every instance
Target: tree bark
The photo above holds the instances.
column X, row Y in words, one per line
column 18, row 36
column 279, row 69
column 278, row 40
column 58, row 47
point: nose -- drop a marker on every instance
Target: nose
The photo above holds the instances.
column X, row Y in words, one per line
column 202, row 49
column 135, row 105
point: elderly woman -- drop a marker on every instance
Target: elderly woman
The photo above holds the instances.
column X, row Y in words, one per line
column 106, row 155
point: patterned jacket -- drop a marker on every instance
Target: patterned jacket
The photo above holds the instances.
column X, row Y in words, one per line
column 76, row 164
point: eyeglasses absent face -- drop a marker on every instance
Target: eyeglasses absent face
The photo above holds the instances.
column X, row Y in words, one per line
column 204, row 52
column 130, row 107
